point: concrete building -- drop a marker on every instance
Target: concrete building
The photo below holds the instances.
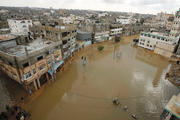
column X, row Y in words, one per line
column 65, row 33
column 126, row 20
column 20, row 27
column 30, row 64
column 4, row 31
column 175, row 29
column 102, row 14
column 150, row 40
column 115, row 31
column 178, row 48
column 123, row 20
column 84, row 36
column 172, row 109
column 101, row 36
column 165, row 49
column 67, row 20
column 158, row 43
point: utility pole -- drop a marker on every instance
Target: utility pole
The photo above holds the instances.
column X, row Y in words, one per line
column 93, row 33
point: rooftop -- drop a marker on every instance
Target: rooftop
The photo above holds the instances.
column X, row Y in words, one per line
column 21, row 50
column 173, row 106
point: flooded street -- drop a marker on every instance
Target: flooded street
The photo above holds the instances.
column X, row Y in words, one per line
column 134, row 75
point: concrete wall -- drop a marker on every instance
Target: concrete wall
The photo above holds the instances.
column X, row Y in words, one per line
column 19, row 26
column 34, row 71
column 7, row 44
column 84, row 36
column 163, row 52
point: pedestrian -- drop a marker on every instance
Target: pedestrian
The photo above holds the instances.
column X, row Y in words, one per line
column 84, row 62
column 82, row 57
column 30, row 92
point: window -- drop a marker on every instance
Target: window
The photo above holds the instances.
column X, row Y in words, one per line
column 28, row 75
column 10, row 64
column 47, row 53
column 64, row 42
column 150, row 45
column 23, row 21
column 49, row 62
column 24, row 26
column 25, row 65
column 147, row 41
column 40, row 58
column 42, row 67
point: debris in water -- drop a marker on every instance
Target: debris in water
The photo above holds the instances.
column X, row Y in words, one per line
column 116, row 101
column 125, row 108
column 134, row 116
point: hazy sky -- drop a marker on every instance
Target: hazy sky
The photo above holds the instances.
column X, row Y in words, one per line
column 140, row 6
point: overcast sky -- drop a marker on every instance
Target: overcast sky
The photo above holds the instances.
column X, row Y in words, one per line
column 139, row 6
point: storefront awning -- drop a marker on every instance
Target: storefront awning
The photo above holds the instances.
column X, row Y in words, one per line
column 56, row 65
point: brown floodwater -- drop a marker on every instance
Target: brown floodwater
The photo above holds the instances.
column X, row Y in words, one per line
column 85, row 92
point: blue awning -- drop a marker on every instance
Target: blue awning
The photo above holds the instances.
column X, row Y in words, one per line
column 50, row 72
column 56, row 65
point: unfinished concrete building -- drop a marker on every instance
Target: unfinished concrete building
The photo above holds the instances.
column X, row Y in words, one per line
column 31, row 64
column 55, row 32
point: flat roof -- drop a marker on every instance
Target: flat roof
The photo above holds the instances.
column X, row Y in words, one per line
column 162, row 35
column 36, row 45
column 173, row 106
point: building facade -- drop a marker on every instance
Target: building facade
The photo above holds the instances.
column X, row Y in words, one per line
column 150, row 40
column 31, row 64
column 19, row 26
column 115, row 31
column 165, row 49
column 65, row 33
column 175, row 29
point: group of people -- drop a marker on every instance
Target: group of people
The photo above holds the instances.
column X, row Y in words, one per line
column 83, row 60
column 15, row 113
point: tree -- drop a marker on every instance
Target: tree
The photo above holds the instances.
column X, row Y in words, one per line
column 100, row 47
column 142, row 20
column 117, row 39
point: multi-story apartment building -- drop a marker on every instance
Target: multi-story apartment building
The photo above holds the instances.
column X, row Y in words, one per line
column 158, row 43
column 150, row 40
column 101, row 36
column 115, row 31
column 20, row 27
column 175, row 29
column 65, row 33
column 30, row 64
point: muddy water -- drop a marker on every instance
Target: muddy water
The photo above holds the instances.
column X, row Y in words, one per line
column 135, row 75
